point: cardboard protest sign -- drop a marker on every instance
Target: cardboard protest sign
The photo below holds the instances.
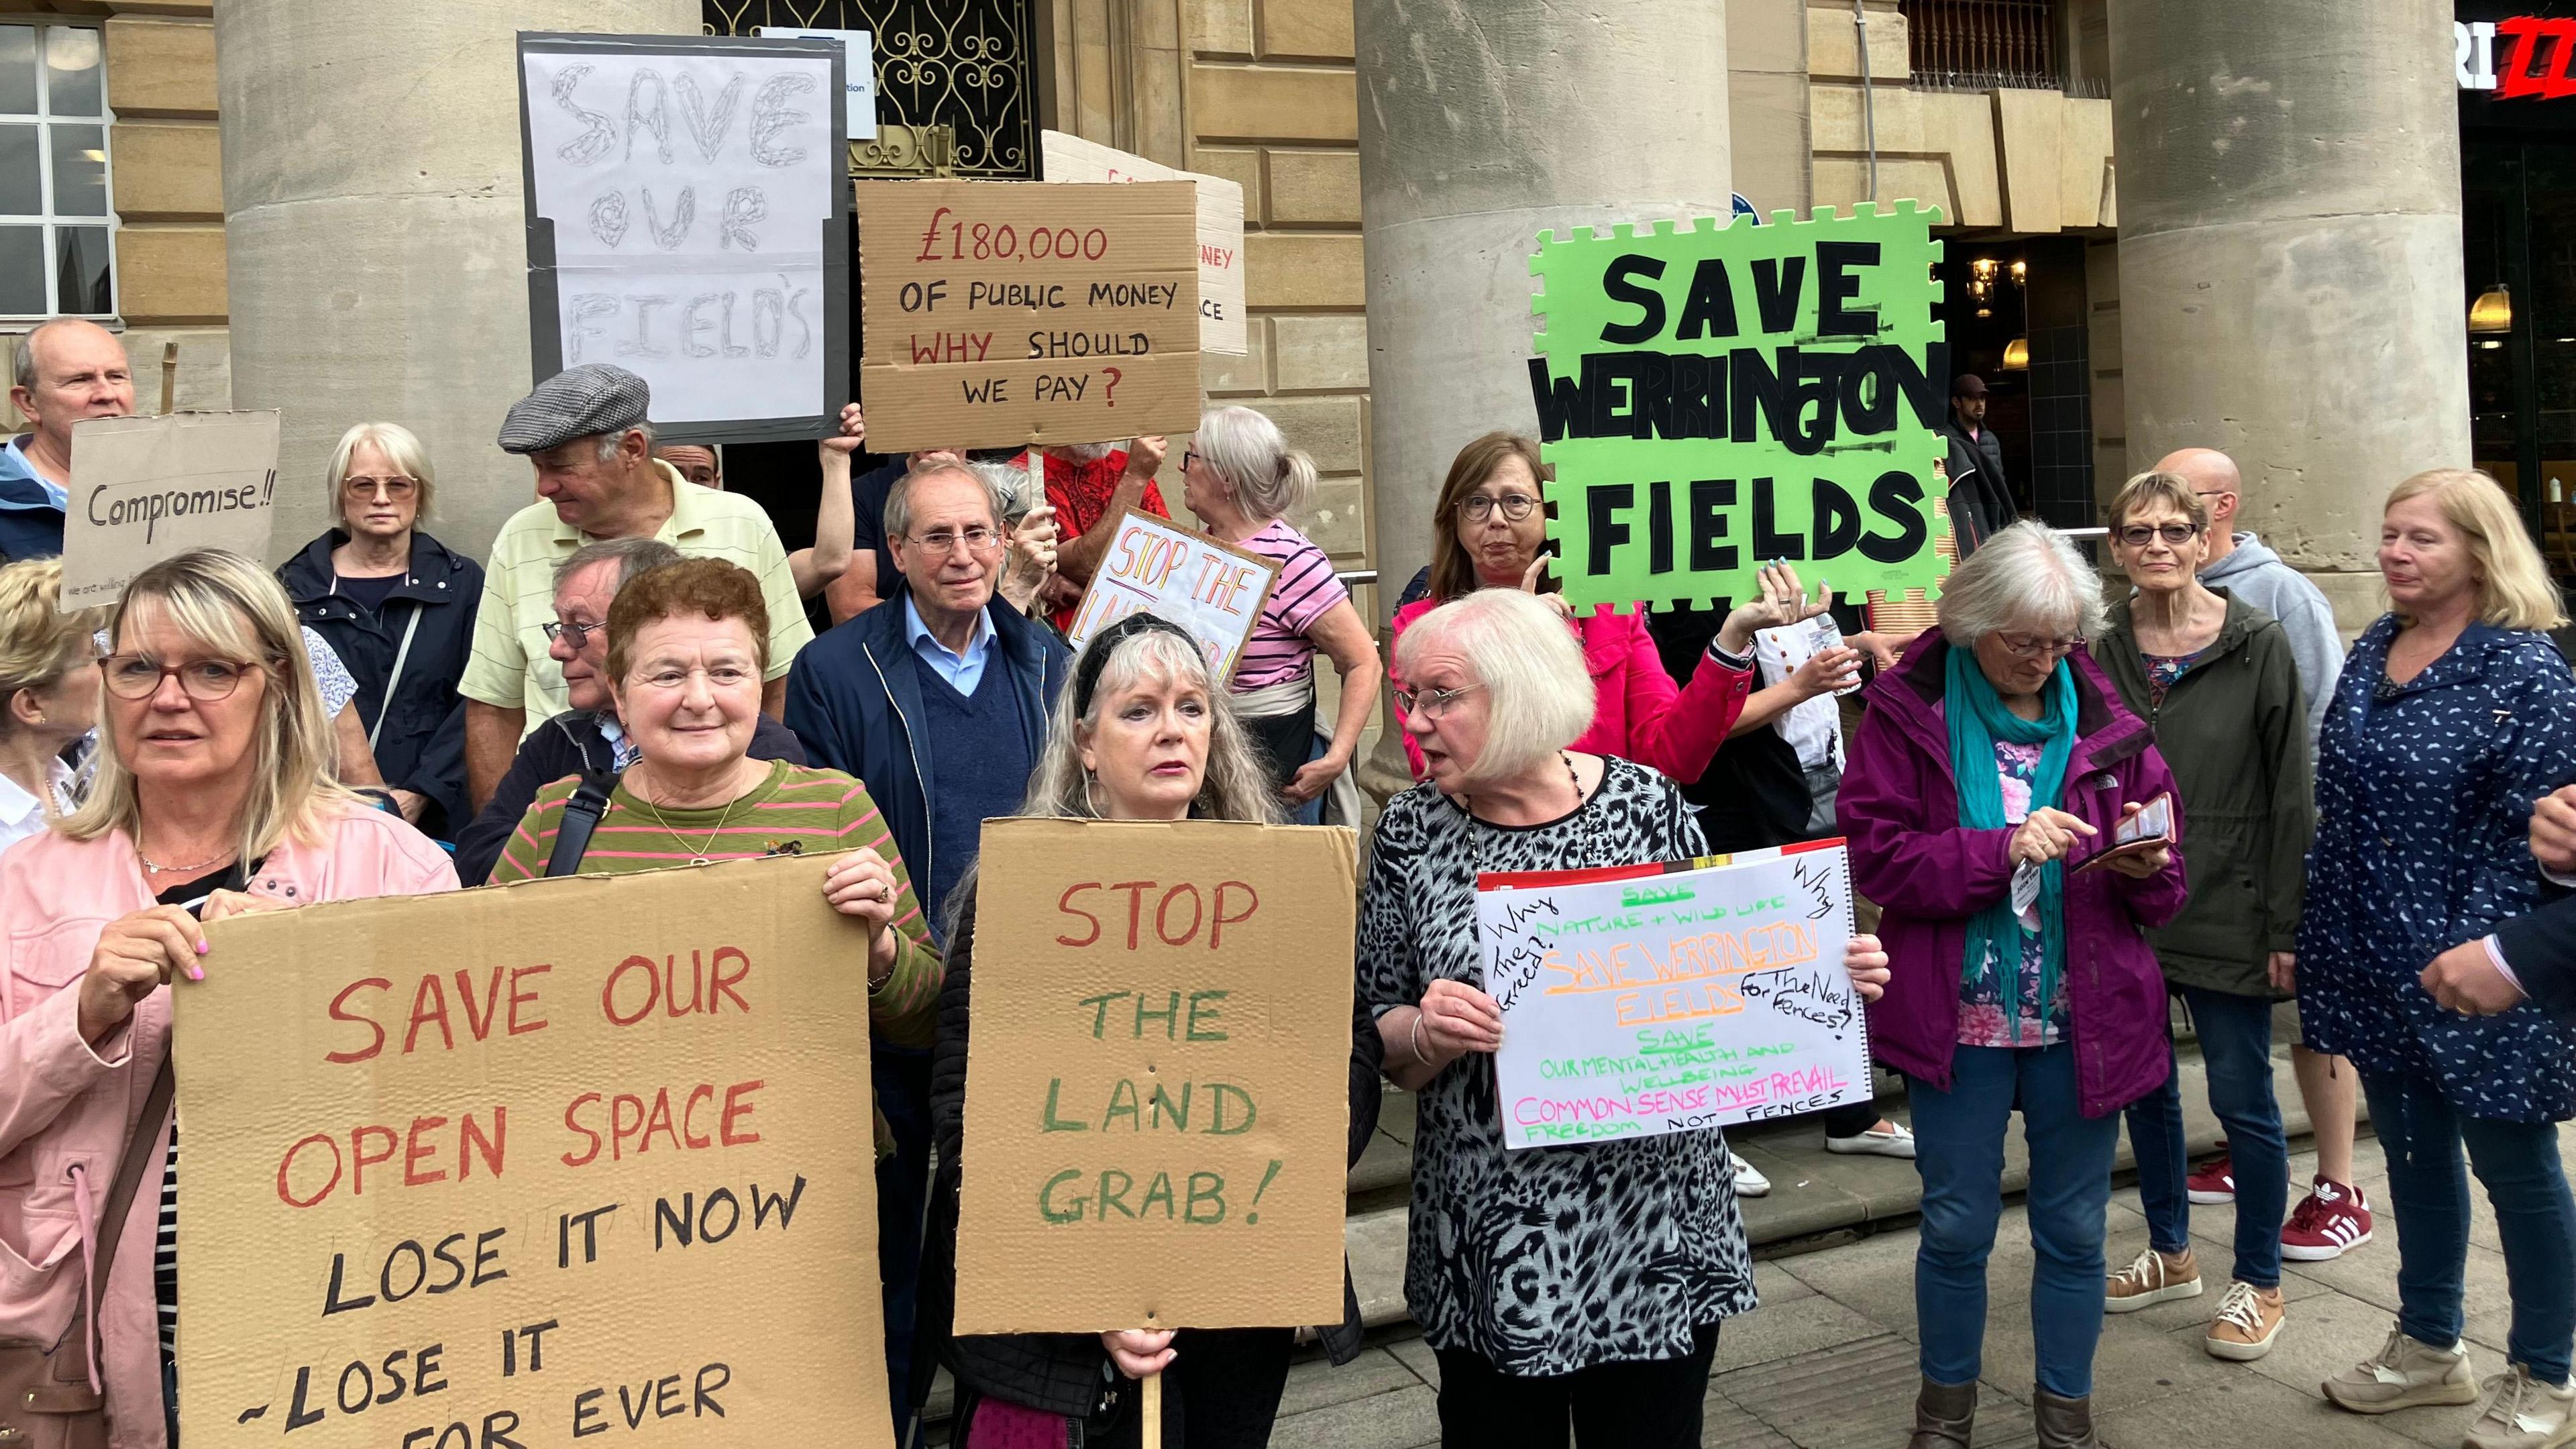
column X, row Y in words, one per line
column 1214, row 590
column 519, row 1166
column 1668, row 998
column 1718, row 396
column 144, row 489
column 688, row 219
column 1157, row 1079
column 1000, row 313
column 1224, row 325
column 860, row 81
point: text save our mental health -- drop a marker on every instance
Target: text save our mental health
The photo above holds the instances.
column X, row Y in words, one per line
column 1158, row 1067
column 1672, row 997
column 1000, row 313
column 518, row 1175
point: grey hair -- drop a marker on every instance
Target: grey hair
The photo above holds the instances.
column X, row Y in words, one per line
column 2026, row 575
column 1011, row 485
column 401, row 447
column 1538, row 695
column 1236, row 786
column 632, row 555
column 607, row 442
column 22, row 368
column 898, row 504
column 1247, row 450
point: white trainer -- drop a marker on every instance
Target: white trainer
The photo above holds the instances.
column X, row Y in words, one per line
column 2404, row 1373
column 2518, row 1413
column 1887, row 1139
column 1749, row 1181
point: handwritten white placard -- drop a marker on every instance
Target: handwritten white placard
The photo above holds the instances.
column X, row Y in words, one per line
column 686, row 203
column 1224, row 326
column 1212, row 589
column 1671, row 998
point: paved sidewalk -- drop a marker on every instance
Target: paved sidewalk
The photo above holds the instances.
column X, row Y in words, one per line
column 1828, row 1362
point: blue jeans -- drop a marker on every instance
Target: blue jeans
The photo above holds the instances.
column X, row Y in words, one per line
column 2236, row 1044
column 2518, row 1163
column 1959, row 1150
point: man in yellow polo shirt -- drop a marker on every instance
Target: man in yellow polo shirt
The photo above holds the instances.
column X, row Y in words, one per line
column 586, row 432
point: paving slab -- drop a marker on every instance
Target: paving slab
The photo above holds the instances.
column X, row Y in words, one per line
column 1313, row 1382
column 1404, row 1419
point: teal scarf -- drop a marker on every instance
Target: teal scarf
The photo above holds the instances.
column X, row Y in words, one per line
column 1978, row 719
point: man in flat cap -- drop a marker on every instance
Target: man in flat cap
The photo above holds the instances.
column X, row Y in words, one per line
column 586, row 432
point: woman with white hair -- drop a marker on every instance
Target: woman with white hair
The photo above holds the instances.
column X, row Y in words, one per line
column 2450, row 719
column 397, row 607
column 1140, row 733
column 1995, row 762
column 213, row 797
column 1575, row 1283
column 1243, row 480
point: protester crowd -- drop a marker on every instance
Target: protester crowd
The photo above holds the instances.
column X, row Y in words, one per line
column 2386, row 835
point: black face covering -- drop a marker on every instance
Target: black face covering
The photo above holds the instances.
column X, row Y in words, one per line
column 1095, row 656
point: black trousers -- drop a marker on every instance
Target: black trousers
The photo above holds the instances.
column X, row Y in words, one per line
column 1650, row 1405
column 1284, row 741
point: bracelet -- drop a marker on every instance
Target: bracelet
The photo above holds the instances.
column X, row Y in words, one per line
column 1419, row 1053
column 1738, row 662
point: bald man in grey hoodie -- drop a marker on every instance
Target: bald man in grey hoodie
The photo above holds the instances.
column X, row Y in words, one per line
column 2335, row 1214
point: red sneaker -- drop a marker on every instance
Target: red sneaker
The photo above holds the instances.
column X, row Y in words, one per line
column 2332, row 1218
column 2214, row 1183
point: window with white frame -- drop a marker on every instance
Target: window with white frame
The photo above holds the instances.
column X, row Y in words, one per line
column 57, row 252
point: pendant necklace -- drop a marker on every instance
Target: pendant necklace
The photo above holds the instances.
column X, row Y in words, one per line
column 700, row 856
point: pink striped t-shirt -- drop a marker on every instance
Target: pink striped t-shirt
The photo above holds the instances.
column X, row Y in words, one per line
column 1279, row 650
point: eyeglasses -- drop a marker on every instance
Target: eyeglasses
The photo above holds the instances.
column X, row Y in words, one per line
column 1188, row 456
column 1477, row 507
column 579, row 634
column 136, row 676
column 2139, row 535
column 1432, row 703
column 2032, row 646
column 398, row 489
column 940, row 541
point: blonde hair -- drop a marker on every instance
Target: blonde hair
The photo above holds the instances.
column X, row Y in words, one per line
column 2514, row 591
column 401, row 448
column 1539, row 697
column 39, row 645
column 235, row 610
column 2153, row 487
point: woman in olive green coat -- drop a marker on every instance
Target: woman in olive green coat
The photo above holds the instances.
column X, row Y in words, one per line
column 2215, row 680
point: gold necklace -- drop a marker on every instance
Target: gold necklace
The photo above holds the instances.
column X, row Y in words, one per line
column 152, row 868
column 700, row 855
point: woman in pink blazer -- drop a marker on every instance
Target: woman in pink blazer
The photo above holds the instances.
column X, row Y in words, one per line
column 1486, row 534
column 212, row 799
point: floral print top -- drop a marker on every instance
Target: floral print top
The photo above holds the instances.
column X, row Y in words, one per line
column 2164, row 669
column 1985, row 1018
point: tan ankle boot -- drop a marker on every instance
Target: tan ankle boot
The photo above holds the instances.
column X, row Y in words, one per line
column 2064, row 1423
column 1944, row 1414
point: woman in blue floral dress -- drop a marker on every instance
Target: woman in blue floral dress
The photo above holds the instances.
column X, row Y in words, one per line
column 2454, row 714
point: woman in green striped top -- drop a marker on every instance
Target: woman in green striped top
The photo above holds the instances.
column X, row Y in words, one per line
column 688, row 644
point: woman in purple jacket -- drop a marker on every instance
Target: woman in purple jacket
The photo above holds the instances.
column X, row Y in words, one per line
column 1998, row 755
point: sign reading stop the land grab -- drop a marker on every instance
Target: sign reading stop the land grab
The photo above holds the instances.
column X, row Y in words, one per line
column 688, row 219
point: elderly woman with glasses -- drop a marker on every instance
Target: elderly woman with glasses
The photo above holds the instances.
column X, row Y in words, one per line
column 1487, row 533
column 397, row 607
column 214, row 796
column 1242, row 480
column 2216, row 680
column 1580, row 1285
column 1994, row 765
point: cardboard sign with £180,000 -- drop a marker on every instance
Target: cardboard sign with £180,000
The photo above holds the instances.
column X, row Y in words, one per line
column 1157, row 1080
column 525, row 1165
column 1001, row 313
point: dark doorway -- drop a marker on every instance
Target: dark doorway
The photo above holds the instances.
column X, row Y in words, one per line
column 1997, row 292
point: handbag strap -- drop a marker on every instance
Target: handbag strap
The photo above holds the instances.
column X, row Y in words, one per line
column 393, row 681
column 129, row 1173
column 580, row 817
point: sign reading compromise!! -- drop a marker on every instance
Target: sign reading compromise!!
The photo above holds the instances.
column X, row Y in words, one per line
column 146, row 489
column 1717, row 396
column 525, row 1166
column 688, row 220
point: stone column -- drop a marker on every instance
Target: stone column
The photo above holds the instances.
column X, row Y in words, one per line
column 1481, row 125
column 2290, row 288
column 375, row 241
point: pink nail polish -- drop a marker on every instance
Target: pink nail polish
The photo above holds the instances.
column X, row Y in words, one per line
column 201, row 948
column 196, row 973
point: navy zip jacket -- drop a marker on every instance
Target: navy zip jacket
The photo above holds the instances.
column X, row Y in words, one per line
column 30, row 525
column 420, row 731
column 854, row 700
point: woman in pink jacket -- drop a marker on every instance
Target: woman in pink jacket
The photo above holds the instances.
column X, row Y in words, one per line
column 212, row 798
column 1486, row 535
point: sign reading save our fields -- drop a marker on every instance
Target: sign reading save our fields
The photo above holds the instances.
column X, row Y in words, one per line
column 1717, row 396
column 526, row 1166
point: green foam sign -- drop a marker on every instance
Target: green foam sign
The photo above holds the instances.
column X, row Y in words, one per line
column 1723, row 394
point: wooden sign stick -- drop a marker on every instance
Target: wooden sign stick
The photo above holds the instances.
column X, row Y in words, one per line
column 1153, row 1411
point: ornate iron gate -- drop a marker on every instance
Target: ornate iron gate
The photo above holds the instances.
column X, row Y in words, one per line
column 969, row 65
